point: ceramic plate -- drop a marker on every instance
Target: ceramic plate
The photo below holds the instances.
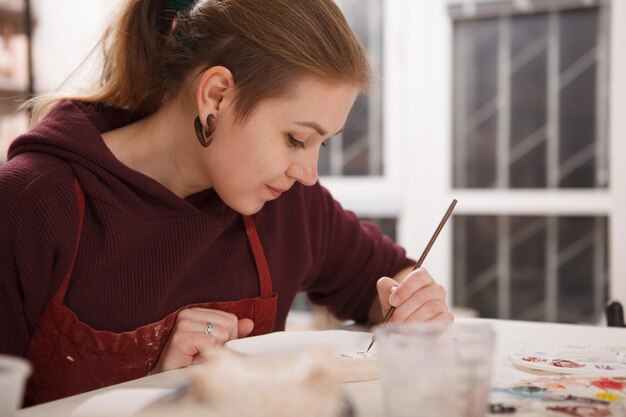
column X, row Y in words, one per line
column 573, row 359
column 352, row 363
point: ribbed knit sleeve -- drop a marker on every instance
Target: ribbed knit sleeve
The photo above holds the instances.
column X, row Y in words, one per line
column 354, row 255
column 37, row 208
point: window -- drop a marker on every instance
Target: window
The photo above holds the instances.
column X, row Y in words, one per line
column 530, row 112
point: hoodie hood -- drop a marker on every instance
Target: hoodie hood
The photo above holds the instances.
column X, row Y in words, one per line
column 72, row 132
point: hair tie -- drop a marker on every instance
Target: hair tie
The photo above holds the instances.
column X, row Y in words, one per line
column 180, row 5
column 182, row 34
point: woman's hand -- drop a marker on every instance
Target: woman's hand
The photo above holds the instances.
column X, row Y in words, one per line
column 195, row 331
column 416, row 298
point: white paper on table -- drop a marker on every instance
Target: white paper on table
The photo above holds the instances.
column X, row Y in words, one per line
column 351, row 362
column 123, row 402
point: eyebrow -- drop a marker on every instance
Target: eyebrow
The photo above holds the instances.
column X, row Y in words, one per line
column 317, row 128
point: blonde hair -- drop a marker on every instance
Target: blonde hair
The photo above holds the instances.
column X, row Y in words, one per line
column 266, row 44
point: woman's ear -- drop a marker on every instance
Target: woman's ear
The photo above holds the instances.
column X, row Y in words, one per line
column 215, row 91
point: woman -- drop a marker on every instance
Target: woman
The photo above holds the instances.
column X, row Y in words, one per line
column 177, row 206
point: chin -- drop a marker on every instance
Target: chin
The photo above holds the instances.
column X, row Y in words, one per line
column 250, row 209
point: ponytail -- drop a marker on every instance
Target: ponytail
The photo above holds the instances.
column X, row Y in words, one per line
column 132, row 77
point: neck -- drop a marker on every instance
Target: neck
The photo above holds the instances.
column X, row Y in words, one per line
column 159, row 146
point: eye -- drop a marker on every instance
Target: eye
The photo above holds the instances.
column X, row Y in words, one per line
column 295, row 142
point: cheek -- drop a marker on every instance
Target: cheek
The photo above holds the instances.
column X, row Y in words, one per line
column 265, row 160
column 244, row 170
column 251, row 155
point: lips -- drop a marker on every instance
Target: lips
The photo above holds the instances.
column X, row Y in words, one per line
column 275, row 192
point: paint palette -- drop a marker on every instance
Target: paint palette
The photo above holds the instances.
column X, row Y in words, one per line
column 573, row 359
column 574, row 396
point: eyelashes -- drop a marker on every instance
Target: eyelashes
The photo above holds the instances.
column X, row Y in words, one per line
column 299, row 144
column 295, row 142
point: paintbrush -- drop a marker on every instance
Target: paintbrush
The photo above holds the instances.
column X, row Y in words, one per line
column 420, row 261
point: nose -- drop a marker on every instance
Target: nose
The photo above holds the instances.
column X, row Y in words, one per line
column 304, row 170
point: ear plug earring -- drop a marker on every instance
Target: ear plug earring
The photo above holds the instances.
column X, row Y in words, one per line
column 205, row 137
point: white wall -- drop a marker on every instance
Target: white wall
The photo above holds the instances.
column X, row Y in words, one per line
column 64, row 33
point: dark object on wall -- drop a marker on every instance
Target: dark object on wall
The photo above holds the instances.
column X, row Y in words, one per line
column 615, row 314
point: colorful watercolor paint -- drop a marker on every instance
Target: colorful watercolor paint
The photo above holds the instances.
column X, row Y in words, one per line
column 573, row 396
column 610, row 383
column 564, row 363
column 573, row 359
column 534, row 359
column 580, row 411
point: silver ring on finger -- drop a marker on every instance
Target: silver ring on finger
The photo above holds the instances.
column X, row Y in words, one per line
column 209, row 328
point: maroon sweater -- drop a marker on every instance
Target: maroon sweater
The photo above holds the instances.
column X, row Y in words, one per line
column 145, row 252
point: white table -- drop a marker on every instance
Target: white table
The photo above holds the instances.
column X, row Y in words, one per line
column 367, row 396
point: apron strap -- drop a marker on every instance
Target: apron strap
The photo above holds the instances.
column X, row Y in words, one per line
column 265, row 280
column 59, row 296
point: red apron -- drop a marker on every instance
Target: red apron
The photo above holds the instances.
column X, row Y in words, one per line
column 69, row 357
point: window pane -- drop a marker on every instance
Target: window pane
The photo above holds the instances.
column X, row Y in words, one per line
column 481, row 62
column 528, row 264
column 577, row 126
column 528, row 101
column 577, row 243
column 481, row 155
column 358, row 150
column 577, row 35
column 542, row 127
column 475, row 282
column 554, row 273
column 475, row 127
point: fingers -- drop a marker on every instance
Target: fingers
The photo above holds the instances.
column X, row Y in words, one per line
column 190, row 338
column 220, row 319
column 425, row 303
column 417, row 298
column 416, row 280
column 182, row 349
column 219, row 332
column 427, row 311
column 446, row 317
column 245, row 327
column 385, row 287
column 190, row 344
